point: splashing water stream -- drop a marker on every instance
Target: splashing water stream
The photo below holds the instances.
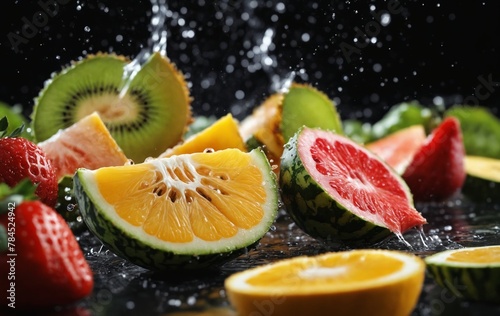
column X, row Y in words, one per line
column 156, row 43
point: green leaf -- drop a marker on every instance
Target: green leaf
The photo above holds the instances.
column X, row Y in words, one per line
column 23, row 191
column 4, row 123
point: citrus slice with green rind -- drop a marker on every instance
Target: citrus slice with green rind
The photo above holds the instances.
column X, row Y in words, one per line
column 482, row 182
column 183, row 212
column 359, row 282
column 470, row 273
column 340, row 192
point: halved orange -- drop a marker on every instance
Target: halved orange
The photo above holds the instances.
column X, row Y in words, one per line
column 222, row 134
column 85, row 144
column 185, row 211
column 358, row 282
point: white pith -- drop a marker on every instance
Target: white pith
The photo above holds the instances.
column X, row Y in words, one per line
column 243, row 237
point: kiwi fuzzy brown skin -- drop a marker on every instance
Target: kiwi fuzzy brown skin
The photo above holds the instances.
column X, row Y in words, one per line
column 152, row 115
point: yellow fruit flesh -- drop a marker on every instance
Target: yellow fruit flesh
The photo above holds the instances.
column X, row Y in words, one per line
column 206, row 196
column 340, row 272
column 478, row 255
column 361, row 282
column 264, row 124
column 483, row 167
column 221, row 134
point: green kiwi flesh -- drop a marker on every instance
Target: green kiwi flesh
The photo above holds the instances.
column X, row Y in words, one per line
column 151, row 116
column 304, row 105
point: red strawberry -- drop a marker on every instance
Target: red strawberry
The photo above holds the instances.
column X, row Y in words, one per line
column 43, row 265
column 20, row 159
column 437, row 169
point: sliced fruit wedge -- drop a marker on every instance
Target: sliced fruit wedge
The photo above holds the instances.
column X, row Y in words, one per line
column 359, row 282
column 304, row 105
column 263, row 126
column 151, row 116
column 470, row 273
column 399, row 148
column 437, row 170
column 222, row 134
column 338, row 191
column 482, row 183
column 182, row 212
column 85, row 144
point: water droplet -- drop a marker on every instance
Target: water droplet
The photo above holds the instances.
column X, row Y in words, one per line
column 86, row 28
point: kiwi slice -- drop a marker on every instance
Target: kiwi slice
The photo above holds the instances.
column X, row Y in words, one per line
column 151, row 116
column 304, row 105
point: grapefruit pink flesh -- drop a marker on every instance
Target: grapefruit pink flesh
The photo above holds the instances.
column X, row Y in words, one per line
column 357, row 179
column 398, row 149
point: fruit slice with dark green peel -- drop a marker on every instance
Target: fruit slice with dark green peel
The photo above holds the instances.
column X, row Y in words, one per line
column 338, row 191
column 146, row 120
column 304, row 105
column 470, row 273
column 480, row 130
column 187, row 211
column 482, row 183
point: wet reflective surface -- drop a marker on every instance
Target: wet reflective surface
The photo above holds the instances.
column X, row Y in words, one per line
column 124, row 289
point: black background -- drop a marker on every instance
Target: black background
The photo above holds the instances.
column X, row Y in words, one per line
column 429, row 49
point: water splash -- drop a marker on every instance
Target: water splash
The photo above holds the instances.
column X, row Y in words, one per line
column 156, row 43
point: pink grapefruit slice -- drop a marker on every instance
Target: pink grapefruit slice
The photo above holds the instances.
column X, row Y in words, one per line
column 338, row 191
column 399, row 148
column 85, row 144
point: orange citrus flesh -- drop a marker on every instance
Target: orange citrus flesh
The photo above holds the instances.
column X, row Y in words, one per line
column 222, row 134
column 476, row 255
column 85, row 144
column 359, row 282
column 205, row 196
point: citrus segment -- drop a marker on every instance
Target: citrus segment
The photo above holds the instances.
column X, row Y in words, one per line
column 386, row 282
column 337, row 190
column 471, row 273
column 397, row 149
column 94, row 148
column 221, row 134
column 192, row 204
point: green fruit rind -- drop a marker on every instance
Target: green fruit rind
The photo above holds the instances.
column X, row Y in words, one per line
column 154, row 254
column 315, row 211
column 470, row 281
column 304, row 105
column 482, row 183
column 480, row 130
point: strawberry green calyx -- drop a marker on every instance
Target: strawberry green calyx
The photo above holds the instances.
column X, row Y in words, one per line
column 4, row 123
column 9, row 199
